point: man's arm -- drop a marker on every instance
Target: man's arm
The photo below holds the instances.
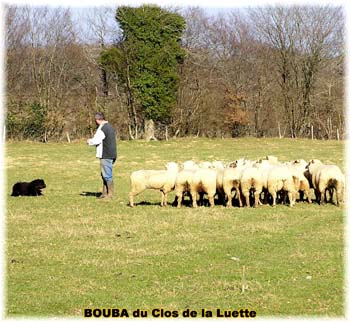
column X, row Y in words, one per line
column 97, row 139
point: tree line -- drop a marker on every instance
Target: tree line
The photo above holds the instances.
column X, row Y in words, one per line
column 264, row 72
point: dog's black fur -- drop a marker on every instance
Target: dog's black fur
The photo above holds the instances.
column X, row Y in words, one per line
column 28, row 188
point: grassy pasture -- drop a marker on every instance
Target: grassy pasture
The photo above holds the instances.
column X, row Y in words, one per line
column 66, row 252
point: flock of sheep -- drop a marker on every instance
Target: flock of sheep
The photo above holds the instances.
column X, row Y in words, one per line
column 258, row 182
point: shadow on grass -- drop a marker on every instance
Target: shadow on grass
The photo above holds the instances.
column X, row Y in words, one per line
column 146, row 203
column 171, row 204
column 91, row 194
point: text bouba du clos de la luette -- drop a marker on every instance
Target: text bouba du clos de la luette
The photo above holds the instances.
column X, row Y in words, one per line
column 162, row 313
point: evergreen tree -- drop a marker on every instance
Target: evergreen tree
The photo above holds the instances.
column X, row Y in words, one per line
column 148, row 57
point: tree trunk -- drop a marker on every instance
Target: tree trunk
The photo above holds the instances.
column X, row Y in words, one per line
column 130, row 133
column 68, row 137
column 131, row 100
column 149, row 130
column 104, row 82
column 279, row 130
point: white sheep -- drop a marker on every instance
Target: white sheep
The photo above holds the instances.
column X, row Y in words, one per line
column 251, row 179
column 264, row 167
column 182, row 184
column 272, row 159
column 190, row 165
column 231, row 179
column 241, row 163
column 218, row 165
column 163, row 180
column 311, row 171
column 219, row 185
column 300, row 163
column 325, row 178
column 205, row 165
column 204, row 181
column 238, row 163
column 280, row 178
column 331, row 191
column 297, row 168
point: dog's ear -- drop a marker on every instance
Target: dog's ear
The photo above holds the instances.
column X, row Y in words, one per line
column 17, row 189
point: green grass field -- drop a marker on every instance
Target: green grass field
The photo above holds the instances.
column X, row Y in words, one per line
column 66, row 252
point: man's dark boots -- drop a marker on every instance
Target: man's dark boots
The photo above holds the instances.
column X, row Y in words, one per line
column 110, row 189
column 104, row 191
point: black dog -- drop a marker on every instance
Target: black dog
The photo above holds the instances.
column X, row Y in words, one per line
column 28, row 188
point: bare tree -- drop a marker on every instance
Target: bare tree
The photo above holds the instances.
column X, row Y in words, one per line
column 264, row 71
column 302, row 38
column 101, row 29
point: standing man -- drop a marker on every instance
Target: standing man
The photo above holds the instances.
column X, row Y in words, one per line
column 106, row 150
